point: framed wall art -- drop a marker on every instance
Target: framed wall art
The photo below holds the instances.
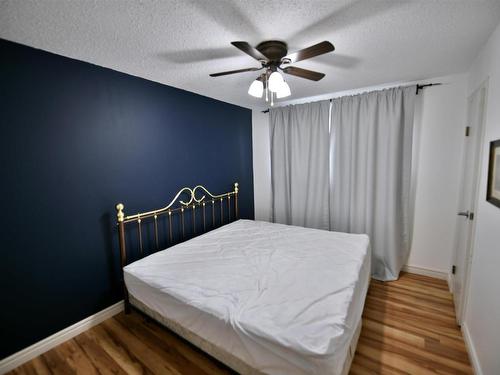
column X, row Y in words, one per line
column 493, row 193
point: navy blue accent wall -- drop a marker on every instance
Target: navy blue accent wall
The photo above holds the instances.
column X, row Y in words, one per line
column 75, row 139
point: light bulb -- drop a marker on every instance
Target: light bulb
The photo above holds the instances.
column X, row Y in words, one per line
column 275, row 81
column 256, row 89
column 283, row 91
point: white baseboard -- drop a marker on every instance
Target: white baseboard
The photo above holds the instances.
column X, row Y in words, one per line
column 23, row 356
column 438, row 274
column 450, row 282
column 471, row 349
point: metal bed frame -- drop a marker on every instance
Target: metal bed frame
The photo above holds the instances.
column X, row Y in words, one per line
column 197, row 197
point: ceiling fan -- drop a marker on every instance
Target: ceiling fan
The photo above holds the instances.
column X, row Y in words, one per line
column 274, row 57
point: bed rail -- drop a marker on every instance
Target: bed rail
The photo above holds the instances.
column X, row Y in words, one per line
column 187, row 204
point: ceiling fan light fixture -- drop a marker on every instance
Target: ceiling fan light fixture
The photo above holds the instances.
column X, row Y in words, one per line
column 256, row 89
column 273, row 56
column 275, row 81
column 283, row 91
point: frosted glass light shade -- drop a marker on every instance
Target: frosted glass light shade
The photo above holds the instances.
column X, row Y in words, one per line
column 275, row 81
column 283, row 91
column 256, row 89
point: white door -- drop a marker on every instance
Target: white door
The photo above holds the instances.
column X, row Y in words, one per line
column 467, row 199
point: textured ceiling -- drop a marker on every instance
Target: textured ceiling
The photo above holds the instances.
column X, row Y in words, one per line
column 180, row 42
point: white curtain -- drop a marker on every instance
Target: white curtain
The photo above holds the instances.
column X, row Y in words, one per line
column 350, row 172
column 370, row 170
column 300, row 164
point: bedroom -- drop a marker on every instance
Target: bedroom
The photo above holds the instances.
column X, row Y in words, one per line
column 308, row 205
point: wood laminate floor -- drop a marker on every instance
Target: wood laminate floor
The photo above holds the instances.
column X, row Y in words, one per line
column 408, row 328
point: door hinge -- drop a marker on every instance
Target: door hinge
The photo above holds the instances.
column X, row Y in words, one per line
column 467, row 131
column 453, row 269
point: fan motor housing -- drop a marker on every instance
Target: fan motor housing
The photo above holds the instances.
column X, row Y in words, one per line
column 274, row 50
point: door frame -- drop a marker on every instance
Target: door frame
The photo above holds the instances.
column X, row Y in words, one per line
column 479, row 150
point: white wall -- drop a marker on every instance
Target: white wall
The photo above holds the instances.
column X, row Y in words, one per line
column 440, row 121
column 261, row 165
column 482, row 318
column 440, row 124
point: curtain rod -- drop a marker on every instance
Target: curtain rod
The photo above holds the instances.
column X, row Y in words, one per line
column 419, row 87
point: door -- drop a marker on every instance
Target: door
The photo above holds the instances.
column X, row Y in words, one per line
column 467, row 199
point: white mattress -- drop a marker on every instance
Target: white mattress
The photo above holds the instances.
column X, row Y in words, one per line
column 283, row 299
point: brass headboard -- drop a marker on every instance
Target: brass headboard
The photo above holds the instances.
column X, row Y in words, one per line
column 197, row 197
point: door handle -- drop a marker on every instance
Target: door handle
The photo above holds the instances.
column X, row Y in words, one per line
column 464, row 213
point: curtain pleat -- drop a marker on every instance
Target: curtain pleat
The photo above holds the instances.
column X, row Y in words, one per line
column 300, row 164
column 370, row 173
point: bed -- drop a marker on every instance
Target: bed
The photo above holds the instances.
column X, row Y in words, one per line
column 262, row 298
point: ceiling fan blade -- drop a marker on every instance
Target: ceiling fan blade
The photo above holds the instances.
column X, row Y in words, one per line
column 313, row 51
column 249, row 50
column 303, row 73
column 234, row 72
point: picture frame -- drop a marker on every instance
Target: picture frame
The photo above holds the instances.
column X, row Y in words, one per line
column 493, row 189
